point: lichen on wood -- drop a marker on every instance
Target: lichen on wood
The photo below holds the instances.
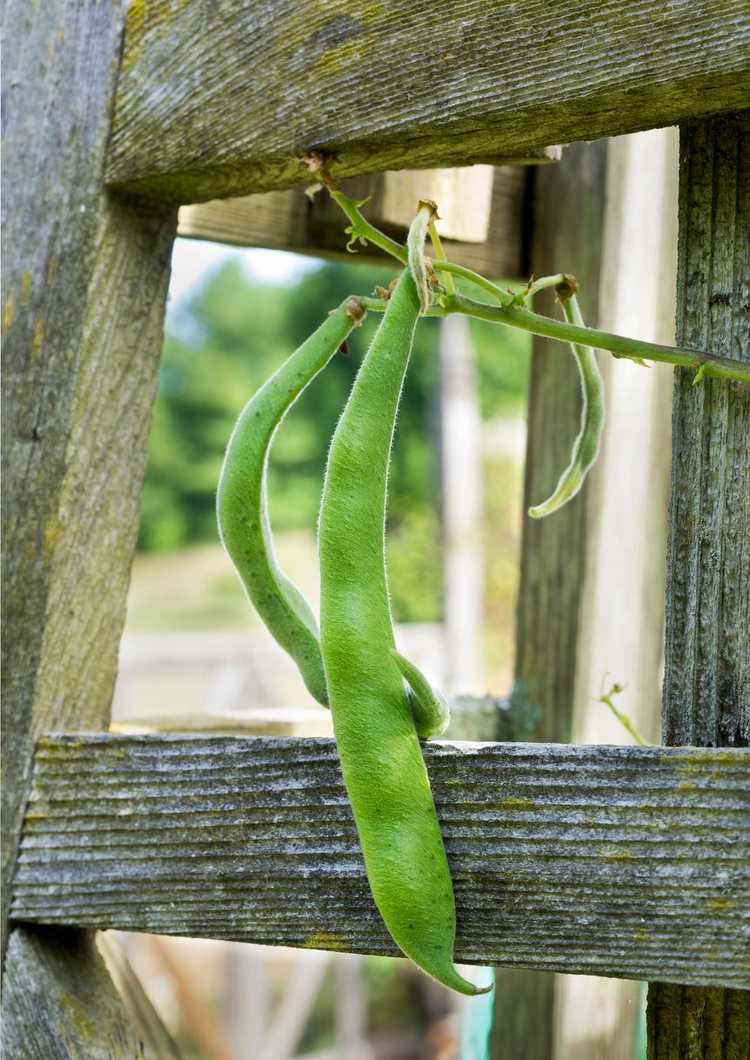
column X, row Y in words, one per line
column 216, row 101
column 84, row 280
column 59, row 1003
column 587, row 859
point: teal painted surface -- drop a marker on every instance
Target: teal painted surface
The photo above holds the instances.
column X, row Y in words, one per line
column 476, row 1023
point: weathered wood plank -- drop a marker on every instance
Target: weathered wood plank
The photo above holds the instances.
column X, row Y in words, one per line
column 151, row 1028
column 219, row 100
column 84, row 285
column 84, row 288
column 620, row 630
column 707, row 673
column 568, row 220
column 707, row 655
column 693, row 1023
column 59, row 1002
column 632, row 862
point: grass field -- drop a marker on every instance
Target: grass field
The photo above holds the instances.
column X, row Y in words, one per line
column 197, row 588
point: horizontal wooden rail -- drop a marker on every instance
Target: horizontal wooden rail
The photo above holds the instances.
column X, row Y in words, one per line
column 621, row 861
column 216, row 100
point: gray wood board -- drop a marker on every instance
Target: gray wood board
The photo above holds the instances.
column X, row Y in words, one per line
column 623, row 861
column 697, row 1023
column 221, row 100
column 707, row 650
column 568, row 210
column 707, row 674
column 59, row 1003
column 84, row 286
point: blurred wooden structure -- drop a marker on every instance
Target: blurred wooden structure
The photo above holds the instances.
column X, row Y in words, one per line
column 628, row 862
column 481, row 209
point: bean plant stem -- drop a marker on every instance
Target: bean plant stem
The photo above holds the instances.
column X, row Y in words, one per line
column 542, row 284
column 437, row 244
column 607, row 699
column 509, row 313
column 618, row 345
column 503, row 297
column 362, row 229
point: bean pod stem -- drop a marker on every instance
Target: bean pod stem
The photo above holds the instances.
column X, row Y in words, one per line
column 510, row 311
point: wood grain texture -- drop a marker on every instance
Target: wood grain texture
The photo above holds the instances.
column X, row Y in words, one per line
column 707, row 652
column 151, row 1029
column 697, row 1023
column 288, row 220
column 84, row 288
column 620, row 629
column 84, row 283
column 220, row 100
column 707, row 675
column 59, row 1002
column 632, row 862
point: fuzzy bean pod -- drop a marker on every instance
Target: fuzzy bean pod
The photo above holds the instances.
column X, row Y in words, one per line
column 429, row 708
column 586, row 445
column 242, row 508
column 241, row 502
column 381, row 760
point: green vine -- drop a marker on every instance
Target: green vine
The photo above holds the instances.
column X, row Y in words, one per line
column 511, row 307
column 606, row 698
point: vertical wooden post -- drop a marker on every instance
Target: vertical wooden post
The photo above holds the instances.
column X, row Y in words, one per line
column 85, row 281
column 621, row 625
column 568, row 211
column 623, row 597
column 707, row 665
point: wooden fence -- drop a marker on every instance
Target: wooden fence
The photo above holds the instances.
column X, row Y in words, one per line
column 627, row 863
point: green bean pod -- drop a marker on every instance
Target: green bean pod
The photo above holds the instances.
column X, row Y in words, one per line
column 586, row 445
column 241, row 501
column 429, row 708
column 381, row 759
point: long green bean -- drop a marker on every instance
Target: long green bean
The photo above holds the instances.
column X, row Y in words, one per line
column 381, row 760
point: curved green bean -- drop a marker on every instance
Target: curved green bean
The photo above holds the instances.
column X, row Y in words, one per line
column 429, row 708
column 381, row 759
column 245, row 529
column 241, row 502
column 586, row 445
